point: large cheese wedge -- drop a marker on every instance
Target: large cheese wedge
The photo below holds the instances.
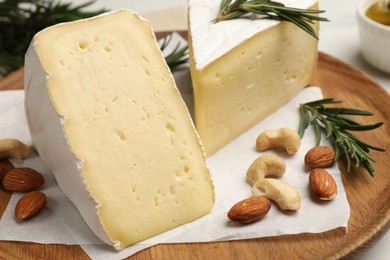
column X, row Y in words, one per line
column 106, row 117
column 244, row 69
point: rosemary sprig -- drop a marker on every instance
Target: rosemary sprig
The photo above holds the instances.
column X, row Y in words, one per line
column 20, row 20
column 337, row 123
column 178, row 56
column 303, row 18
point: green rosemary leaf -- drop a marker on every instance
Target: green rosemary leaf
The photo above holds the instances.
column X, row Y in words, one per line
column 318, row 132
column 322, row 102
column 304, row 123
column 177, row 56
column 349, row 120
column 300, row 23
column 345, row 111
column 364, row 145
column 335, row 120
column 347, row 156
column 337, row 127
column 303, row 18
column 224, row 4
column 362, row 127
column 166, row 41
column 375, row 148
column 337, row 152
column 368, row 167
column 328, row 128
column 233, row 15
column 236, row 4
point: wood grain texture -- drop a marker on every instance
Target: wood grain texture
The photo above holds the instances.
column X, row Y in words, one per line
column 369, row 197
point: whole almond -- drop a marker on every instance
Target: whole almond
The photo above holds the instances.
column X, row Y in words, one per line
column 249, row 210
column 22, row 180
column 322, row 184
column 319, row 157
column 30, row 204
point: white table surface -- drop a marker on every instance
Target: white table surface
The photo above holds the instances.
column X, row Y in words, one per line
column 339, row 38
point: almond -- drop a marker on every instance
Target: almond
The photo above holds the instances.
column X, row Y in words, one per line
column 319, row 157
column 5, row 166
column 22, row 180
column 30, row 204
column 322, row 184
column 249, row 210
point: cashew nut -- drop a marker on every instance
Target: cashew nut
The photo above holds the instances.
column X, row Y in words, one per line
column 284, row 137
column 286, row 196
column 12, row 148
column 265, row 165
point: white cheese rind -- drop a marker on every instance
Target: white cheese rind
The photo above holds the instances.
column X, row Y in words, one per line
column 212, row 40
column 46, row 128
column 107, row 119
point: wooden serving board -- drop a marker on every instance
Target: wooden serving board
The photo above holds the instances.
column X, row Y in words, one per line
column 369, row 197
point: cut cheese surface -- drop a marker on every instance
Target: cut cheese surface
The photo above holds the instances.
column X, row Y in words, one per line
column 107, row 119
column 253, row 77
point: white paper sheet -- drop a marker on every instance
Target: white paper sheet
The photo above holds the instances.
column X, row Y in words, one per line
column 60, row 223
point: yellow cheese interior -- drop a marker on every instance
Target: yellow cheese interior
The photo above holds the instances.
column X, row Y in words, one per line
column 245, row 85
column 125, row 120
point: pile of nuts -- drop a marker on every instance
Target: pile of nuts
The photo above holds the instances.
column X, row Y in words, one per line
column 287, row 197
column 22, row 180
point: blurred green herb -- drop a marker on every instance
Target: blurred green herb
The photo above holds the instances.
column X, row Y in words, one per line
column 20, row 20
column 178, row 56
column 303, row 18
column 337, row 123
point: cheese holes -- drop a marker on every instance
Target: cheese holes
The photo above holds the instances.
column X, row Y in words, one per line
column 170, row 127
column 82, row 45
column 285, row 40
column 146, row 60
column 172, row 190
column 159, row 198
column 121, row 136
column 171, row 130
column 156, row 203
column 108, row 48
column 250, row 86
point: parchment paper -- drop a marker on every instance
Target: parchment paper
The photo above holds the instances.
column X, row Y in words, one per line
column 60, row 223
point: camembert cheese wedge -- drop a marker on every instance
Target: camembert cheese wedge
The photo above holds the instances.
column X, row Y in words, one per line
column 244, row 69
column 106, row 117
